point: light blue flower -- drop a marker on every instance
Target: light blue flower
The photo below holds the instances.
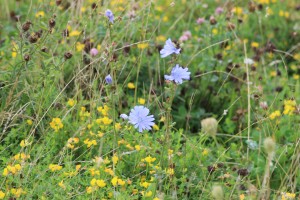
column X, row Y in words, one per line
column 124, row 116
column 169, row 49
column 108, row 79
column 109, row 14
column 138, row 117
column 178, row 74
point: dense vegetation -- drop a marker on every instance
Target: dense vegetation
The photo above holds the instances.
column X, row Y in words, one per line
column 79, row 81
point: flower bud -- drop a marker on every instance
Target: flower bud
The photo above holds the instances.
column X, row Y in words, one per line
column 217, row 192
column 209, row 126
column 269, row 145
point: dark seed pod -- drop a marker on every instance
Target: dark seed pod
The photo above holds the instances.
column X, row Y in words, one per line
column 26, row 57
column 243, row 172
column 230, row 26
column 26, row 26
column 211, row 169
column 278, row 89
column 39, row 33
column 65, row 33
column 212, row 20
column 33, row 38
column 251, row 7
column 94, row 6
column 68, row 55
column 44, row 49
column 58, row 2
column 51, row 23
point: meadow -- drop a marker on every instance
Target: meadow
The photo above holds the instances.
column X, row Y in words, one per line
column 150, row 99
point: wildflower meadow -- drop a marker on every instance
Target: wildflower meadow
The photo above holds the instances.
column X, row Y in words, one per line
column 150, row 99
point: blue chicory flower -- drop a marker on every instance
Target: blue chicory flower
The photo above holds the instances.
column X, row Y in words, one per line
column 124, row 116
column 178, row 74
column 169, row 49
column 109, row 14
column 139, row 118
column 108, row 79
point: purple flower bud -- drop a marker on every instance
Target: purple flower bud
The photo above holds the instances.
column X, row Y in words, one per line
column 109, row 14
column 94, row 52
column 200, row 20
column 219, row 10
column 108, row 79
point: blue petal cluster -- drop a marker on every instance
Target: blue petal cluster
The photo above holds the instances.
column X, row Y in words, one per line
column 178, row 74
column 139, row 118
column 108, row 79
column 109, row 14
column 169, row 49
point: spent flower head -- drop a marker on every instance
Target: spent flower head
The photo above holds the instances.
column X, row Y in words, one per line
column 178, row 74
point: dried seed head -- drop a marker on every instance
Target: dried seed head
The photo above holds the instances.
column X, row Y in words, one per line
column 26, row 26
column 68, row 55
column 65, row 33
column 209, row 126
column 26, row 57
column 33, row 38
column 44, row 49
column 58, row 2
column 217, row 192
column 51, row 23
column 212, row 20
column 269, row 145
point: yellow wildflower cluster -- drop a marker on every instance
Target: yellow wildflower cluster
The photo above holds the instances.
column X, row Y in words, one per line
column 55, row 167
column 83, row 113
column 56, row 124
column 103, row 110
column 104, row 121
column 237, row 10
column 2, row 194
column 24, row 143
column 71, row 102
column 131, row 85
column 289, row 107
column 89, row 142
column 11, row 169
column 284, row 14
column 71, row 142
column 17, row 192
column 73, row 173
column 94, row 172
column 116, row 181
column 143, row 45
column 148, row 159
column 275, row 114
column 21, row 156
column 288, row 195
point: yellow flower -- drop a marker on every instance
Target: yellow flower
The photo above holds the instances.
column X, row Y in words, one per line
column 101, row 183
column 237, row 10
column 93, row 182
column 40, row 14
column 89, row 142
column 109, row 171
column 273, row 73
column 141, row 101
column 115, row 159
column 24, row 143
column 242, row 197
column 14, row 54
column 131, row 85
column 106, row 121
column 5, row 172
column 114, row 181
column 274, row 114
column 161, row 38
column 215, row 31
column 205, row 152
column 55, row 167
column 89, row 190
column 156, row 198
column 289, row 107
column 62, row 185
column 170, row 171
column 56, row 124
column 118, row 126
column 145, row 184
column 296, row 76
column 103, row 110
column 137, row 147
column 149, row 159
column 94, row 172
column 74, row 33
column 2, row 194
column 155, row 127
column 254, row 44
column 148, row 194
column 121, row 182
column 143, row 45
column 29, row 122
column 71, row 102
column 297, row 56
column 82, row 9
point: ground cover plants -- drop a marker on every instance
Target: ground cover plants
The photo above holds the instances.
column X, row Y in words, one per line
column 149, row 99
